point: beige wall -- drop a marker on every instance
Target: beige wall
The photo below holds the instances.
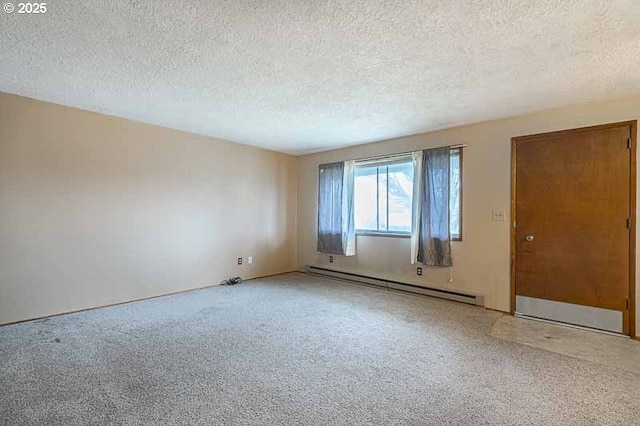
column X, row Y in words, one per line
column 96, row 210
column 482, row 259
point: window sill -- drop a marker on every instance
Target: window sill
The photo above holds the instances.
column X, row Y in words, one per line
column 393, row 235
column 381, row 234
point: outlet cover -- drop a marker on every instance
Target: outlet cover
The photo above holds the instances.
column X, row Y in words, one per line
column 239, row 261
column 330, row 259
column 419, row 271
column 250, row 260
column 497, row 216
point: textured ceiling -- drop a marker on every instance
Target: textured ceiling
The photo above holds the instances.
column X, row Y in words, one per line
column 301, row 76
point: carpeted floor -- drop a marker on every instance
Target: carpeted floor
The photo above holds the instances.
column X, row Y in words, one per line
column 296, row 349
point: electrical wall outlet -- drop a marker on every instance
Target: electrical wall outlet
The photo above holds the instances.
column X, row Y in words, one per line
column 249, row 260
column 419, row 271
column 497, row 216
column 330, row 259
column 239, row 261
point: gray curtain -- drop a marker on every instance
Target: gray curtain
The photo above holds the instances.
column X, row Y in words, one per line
column 336, row 229
column 434, row 240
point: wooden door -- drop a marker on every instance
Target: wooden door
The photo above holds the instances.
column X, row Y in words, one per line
column 574, row 208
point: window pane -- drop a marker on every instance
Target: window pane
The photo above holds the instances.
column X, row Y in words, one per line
column 454, row 200
column 382, row 199
column 400, row 191
column 365, row 198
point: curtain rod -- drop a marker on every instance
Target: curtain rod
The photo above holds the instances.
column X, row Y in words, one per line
column 399, row 154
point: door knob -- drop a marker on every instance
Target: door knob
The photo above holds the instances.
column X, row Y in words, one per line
column 528, row 238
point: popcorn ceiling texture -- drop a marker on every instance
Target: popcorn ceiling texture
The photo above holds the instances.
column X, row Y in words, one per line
column 304, row 76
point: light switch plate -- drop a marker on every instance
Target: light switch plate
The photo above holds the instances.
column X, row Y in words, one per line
column 497, row 216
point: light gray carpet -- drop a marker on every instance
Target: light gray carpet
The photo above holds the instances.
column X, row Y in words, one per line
column 296, row 349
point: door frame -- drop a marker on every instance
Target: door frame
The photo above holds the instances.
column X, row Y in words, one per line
column 632, row 210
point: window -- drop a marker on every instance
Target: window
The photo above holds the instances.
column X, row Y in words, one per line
column 455, row 194
column 384, row 193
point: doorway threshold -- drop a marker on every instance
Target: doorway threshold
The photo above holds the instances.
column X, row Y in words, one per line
column 565, row 324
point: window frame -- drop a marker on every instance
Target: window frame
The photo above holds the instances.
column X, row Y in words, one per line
column 381, row 162
column 402, row 158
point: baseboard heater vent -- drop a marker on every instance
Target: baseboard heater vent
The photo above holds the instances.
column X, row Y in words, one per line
column 471, row 299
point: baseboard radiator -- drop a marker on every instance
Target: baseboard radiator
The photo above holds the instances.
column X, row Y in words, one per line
column 471, row 299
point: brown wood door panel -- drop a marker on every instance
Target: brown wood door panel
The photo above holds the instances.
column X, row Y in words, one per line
column 572, row 193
